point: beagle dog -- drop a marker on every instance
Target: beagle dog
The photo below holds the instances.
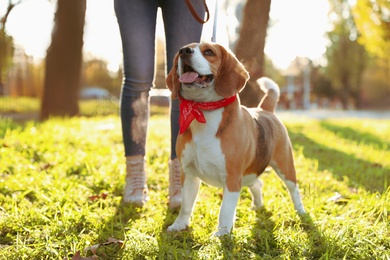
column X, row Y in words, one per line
column 221, row 142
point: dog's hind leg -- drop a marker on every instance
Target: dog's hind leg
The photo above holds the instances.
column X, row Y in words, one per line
column 257, row 196
column 286, row 173
column 189, row 193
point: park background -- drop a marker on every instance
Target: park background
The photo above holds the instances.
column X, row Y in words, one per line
column 61, row 151
column 324, row 54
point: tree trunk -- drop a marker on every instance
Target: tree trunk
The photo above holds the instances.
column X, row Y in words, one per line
column 64, row 61
column 250, row 47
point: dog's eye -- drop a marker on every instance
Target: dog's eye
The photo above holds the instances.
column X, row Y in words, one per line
column 209, row 52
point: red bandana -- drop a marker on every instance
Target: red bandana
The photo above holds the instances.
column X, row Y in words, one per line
column 190, row 110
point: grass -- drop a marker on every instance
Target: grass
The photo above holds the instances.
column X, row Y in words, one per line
column 18, row 104
column 88, row 108
column 61, row 183
column 32, row 105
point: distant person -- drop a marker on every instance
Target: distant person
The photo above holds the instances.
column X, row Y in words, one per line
column 137, row 24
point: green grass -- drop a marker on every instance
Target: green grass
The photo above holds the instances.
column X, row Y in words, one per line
column 18, row 104
column 50, row 171
column 32, row 105
column 87, row 108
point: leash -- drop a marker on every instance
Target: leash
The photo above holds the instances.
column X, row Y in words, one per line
column 200, row 20
column 195, row 14
column 214, row 36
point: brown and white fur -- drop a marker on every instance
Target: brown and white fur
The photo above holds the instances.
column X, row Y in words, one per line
column 236, row 144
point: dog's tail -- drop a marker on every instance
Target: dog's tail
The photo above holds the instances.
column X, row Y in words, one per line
column 272, row 93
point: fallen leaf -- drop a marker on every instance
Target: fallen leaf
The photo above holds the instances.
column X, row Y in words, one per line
column 353, row 190
column 338, row 199
column 104, row 195
column 101, row 196
column 114, row 240
column 94, row 197
column 110, row 241
column 93, row 248
column 77, row 256
column 46, row 166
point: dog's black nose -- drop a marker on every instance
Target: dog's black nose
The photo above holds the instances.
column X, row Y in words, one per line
column 186, row 51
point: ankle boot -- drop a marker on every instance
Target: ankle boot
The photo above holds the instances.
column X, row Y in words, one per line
column 136, row 191
column 174, row 184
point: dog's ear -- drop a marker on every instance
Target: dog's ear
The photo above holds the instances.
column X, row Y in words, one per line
column 172, row 79
column 231, row 76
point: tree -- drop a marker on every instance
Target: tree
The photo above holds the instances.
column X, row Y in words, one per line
column 322, row 86
column 6, row 45
column 250, row 47
column 376, row 86
column 373, row 23
column 347, row 59
column 64, row 61
column 96, row 73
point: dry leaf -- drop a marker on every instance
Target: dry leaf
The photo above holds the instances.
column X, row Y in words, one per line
column 77, row 256
column 114, row 240
column 96, row 197
column 110, row 241
column 93, row 248
column 338, row 199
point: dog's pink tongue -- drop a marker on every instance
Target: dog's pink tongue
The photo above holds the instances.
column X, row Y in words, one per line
column 188, row 77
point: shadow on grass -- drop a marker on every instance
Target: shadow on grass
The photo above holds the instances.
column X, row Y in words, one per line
column 372, row 176
column 319, row 246
column 115, row 227
column 184, row 244
column 265, row 242
column 175, row 245
column 349, row 133
column 7, row 124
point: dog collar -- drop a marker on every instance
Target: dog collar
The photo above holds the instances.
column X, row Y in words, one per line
column 190, row 110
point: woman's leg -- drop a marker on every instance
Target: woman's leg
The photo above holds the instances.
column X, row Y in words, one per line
column 137, row 23
column 181, row 28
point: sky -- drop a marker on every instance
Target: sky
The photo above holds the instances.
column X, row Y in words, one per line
column 298, row 29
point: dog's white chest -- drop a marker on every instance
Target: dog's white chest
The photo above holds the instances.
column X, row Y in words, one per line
column 203, row 156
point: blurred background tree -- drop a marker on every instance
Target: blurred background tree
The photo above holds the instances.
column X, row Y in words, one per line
column 249, row 47
column 373, row 22
column 358, row 57
column 95, row 73
column 347, row 59
column 6, row 46
column 356, row 72
column 64, row 61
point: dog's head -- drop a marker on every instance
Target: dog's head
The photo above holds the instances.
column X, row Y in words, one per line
column 206, row 72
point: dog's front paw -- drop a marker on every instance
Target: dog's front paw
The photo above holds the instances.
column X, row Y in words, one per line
column 222, row 232
column 301, row 211
column 257, row 207
column 177, row 226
